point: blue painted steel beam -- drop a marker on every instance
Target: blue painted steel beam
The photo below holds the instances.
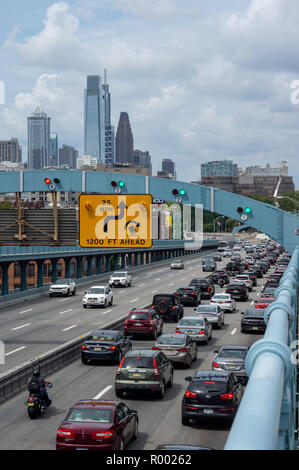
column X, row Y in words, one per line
column 278, row 224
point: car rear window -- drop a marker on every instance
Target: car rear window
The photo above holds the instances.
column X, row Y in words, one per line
column 96, row 290
column 206, row 309
column 141, row 362
column 101, row 337
column 236, row 353
column 90, row 415
column 208, row 385
column 175, row 340
column 139, row 316
column 163, row 298
column 192, row 322
column 201, row 282
column 187, row 290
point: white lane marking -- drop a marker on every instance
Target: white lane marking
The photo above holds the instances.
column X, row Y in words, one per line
column 24, row 311
column 252, row 303
column 171, row 284
column 121, row 292
column 99, row 395
column 65, row 311
column 134, row 300
column 22, row 326
column 183, row 279
column 140, row 285
column 69, row 328
column 63, row 300
column 107, row 311
column 153, row 291
column 15, row 350
column 234, row 331
column 158, row 279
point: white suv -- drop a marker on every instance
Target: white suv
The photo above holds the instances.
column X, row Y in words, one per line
column 120, row 279
column 246, row 279
column 98, row 296
column 63, row 287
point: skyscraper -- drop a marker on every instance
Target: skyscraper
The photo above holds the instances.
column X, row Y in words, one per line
column 94, row 118
column 109, row 129
column 68, row 156
column 38, row 139
column 10, row 151
column 53, row 161
column 124, row 140
column 168, row 166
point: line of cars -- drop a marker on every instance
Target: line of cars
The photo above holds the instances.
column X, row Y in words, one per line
column 213, row 393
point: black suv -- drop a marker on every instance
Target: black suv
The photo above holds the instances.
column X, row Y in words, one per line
column 145, row 371
column 168, row 306
column 238, row 291
column 234, row 268
column 211, row 394
column 253, row 321
column 206, row 287
column 188, row 295
column 209, row 265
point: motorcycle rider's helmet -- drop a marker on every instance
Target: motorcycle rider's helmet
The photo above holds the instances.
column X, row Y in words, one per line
column 36, row 373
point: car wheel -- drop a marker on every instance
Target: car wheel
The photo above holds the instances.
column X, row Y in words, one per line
column 195, row 357
column 185, row 420
column 111, row 301
column 84, row 306
column 119, row 357
column 161, row 393
column 119, row 393
column 84, row 361
column 74, row 292
column 122, row 444
column 135, row 435
column 68, row 292
column 170, row 383
column 154, row 335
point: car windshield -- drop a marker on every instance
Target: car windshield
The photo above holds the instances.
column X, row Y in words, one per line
column 119, row 274
column 191, row 322
column 236, row 353
column 175, row 340
column 201, row 282
column 90, row 415
column 62, row 281
column 206, row 309
column 96, row 290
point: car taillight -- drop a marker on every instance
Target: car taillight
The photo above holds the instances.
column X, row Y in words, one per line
column 31, row 399
column 201, row 332
column 178, row 331
column 190, row 394
column 102, row 434
column 66, row 433
column 84, row 347
column 154, row 348
column 113, row 348
column 227, row 396
column 182, row 349
column 157, row 373
column 216, row 365
column 209, row 289
column 120, row 366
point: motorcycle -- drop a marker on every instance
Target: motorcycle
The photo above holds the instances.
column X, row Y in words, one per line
column 36, row 404
column 221, row 282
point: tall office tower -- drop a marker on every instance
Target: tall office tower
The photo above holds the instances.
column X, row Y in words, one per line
column 168, row 166
column 124, row 140
column 53, row 161
column 68, row 156
column 94, row 118
column 10, row 151
column 38, row 139
column 142, row 159
column 219, row 168
column 109, row 129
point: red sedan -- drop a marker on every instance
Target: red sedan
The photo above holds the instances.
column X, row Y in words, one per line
column 97, row 425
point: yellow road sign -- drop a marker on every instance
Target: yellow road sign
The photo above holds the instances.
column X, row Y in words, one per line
column 115, row 220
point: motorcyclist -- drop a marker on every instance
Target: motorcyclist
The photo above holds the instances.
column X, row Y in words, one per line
column 221, row 281
column 42, row 382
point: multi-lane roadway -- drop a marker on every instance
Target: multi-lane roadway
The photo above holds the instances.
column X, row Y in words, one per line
column 45, row 323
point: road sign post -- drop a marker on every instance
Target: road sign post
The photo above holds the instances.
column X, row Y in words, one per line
column 115, row 221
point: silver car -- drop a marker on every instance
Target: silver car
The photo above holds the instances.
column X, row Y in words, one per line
column 199, row 328
column 212, row 313
column 177, row 264
column 232, row 358
column 181, row 349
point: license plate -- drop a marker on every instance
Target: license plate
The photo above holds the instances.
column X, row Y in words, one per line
column 97, row 349
column 138, row 324
column 81, row 448
column 136, row 374
column 255, row 328
column 231, row 366
column 207, row 411
column 220, row 303
column 30, row 404
column 170, row 351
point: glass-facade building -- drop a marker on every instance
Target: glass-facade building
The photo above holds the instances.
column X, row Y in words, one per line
column 219, row 168
column 94, row 118
column 38, row 129
column 53, row 150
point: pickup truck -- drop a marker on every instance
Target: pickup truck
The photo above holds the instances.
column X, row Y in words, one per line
column 120, row 279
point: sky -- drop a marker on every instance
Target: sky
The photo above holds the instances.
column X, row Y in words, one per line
column 201, row 80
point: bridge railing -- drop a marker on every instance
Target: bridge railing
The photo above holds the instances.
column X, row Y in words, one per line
column 266, row 418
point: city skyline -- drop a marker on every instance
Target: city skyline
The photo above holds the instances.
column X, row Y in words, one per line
column 209, row 95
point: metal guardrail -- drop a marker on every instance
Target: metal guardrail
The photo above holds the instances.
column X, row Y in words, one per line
column 267, row 416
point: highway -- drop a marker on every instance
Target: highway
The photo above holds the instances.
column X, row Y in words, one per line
column 46, row 327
